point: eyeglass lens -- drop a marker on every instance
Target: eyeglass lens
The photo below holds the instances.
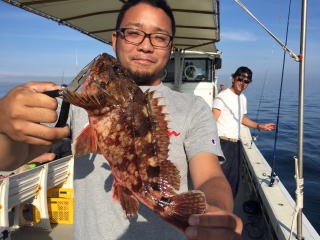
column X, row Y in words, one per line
column 136, row 36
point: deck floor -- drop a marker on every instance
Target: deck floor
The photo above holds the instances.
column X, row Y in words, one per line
column 254, row 225
column 59, row 232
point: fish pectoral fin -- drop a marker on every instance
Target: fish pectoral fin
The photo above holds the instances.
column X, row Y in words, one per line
column 127, row 201
column 185, row 204
column 86, row 142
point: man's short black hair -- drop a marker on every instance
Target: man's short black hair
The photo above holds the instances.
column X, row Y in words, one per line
column 241, row 70
column 162, row 4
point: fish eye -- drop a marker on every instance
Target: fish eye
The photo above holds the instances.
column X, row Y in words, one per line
column 117, row 68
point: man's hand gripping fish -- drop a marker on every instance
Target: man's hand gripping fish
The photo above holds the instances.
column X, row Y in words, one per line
column 129, row 129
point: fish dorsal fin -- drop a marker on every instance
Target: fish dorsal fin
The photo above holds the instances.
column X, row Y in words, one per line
column 86, row 142
column 168, row 174
column 160, row 130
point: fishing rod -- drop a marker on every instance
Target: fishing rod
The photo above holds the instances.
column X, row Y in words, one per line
column 273, row 174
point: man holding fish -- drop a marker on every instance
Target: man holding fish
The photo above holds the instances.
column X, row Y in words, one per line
column 143, row 43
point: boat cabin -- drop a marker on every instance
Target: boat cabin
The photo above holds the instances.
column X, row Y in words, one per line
column 193, row 72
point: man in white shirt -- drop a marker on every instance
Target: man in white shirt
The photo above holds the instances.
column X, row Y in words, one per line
column 229, row 110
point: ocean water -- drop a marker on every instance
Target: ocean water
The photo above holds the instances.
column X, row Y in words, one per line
column 286, row 147
column 287, row 139
column 5, row 87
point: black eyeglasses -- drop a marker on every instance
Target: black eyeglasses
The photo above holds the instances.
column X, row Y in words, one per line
column 136, row 37
column 244, row 79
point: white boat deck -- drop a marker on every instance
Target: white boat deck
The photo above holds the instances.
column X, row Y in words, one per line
column 30, row 188
column 276, row 202
column 59, row 232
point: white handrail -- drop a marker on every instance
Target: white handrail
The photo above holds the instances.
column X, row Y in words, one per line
column 31, row 187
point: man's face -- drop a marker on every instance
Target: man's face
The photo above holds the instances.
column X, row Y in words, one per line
column 240, row 83
column 144, row 61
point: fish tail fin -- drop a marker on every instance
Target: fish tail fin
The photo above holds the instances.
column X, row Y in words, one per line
column 187, row 203
column 183, row 205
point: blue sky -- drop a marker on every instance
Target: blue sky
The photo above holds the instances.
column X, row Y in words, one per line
column 245, row 43
column 36, row 48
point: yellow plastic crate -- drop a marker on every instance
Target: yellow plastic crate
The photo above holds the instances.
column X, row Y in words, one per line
column 61, row 210
column 60, row 193
column 60, row 206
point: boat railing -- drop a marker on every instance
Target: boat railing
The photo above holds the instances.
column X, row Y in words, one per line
column 276, row 200
column 30, row 187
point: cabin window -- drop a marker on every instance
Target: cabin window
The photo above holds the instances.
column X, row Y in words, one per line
column 169, row 72
column 195, row 70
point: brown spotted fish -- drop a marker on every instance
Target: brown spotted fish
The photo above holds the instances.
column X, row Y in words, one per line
column 129, row 129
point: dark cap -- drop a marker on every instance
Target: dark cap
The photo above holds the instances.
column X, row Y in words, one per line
column 242, row 70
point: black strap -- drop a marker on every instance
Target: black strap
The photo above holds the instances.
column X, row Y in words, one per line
column 64, row 113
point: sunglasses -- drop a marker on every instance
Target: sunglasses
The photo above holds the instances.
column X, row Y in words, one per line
column 243, row 79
